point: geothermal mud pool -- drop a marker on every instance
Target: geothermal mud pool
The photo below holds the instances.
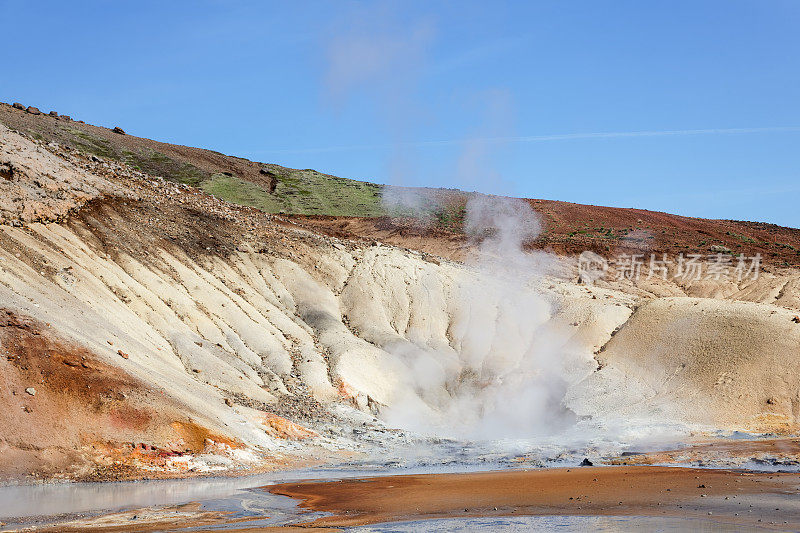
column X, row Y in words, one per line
column 453, row 496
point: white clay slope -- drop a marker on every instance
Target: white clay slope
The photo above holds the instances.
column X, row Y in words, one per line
column 398, row 335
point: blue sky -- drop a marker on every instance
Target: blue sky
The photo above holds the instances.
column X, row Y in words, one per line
column 501, row 97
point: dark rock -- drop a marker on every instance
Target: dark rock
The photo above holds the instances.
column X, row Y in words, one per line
column 586, row 462
column 53, row 114
column 119, row 130
column 17, row 105
column 65, row 117
column 33, row 110
column 6, row 171
column 273, row 178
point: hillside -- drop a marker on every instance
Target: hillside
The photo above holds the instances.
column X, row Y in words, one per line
column 148, row 328
column 359, row 212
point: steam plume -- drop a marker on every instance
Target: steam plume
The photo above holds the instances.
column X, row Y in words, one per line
column 506, row 377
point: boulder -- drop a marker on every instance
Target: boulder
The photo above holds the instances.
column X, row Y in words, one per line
column 17, row 105
column 53, row 114
column 33, row 110
column 119, row 130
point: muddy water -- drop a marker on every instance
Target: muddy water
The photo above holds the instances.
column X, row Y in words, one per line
column 240, row 496
column 244, row 498
column 26, row 504
column 20, row 503
column 616, row 524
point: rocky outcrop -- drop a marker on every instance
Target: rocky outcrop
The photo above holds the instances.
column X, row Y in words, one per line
column 272, row 179
column 39, row 186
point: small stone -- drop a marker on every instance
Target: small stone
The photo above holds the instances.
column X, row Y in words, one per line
column 122, row 354
column 796, row 319
column 31, row 391
column 228, row 402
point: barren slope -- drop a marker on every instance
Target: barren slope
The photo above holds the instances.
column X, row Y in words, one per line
column 338, row 206
column 165, row 330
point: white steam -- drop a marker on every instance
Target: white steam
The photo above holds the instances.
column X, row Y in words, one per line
column 507, row 367
column 505, row 375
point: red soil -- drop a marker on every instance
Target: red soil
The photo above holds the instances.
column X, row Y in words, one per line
column 572, row 228
column 66, row 413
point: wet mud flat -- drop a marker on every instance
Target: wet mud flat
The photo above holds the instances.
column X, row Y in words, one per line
column 741, row 498
column 447, row 497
